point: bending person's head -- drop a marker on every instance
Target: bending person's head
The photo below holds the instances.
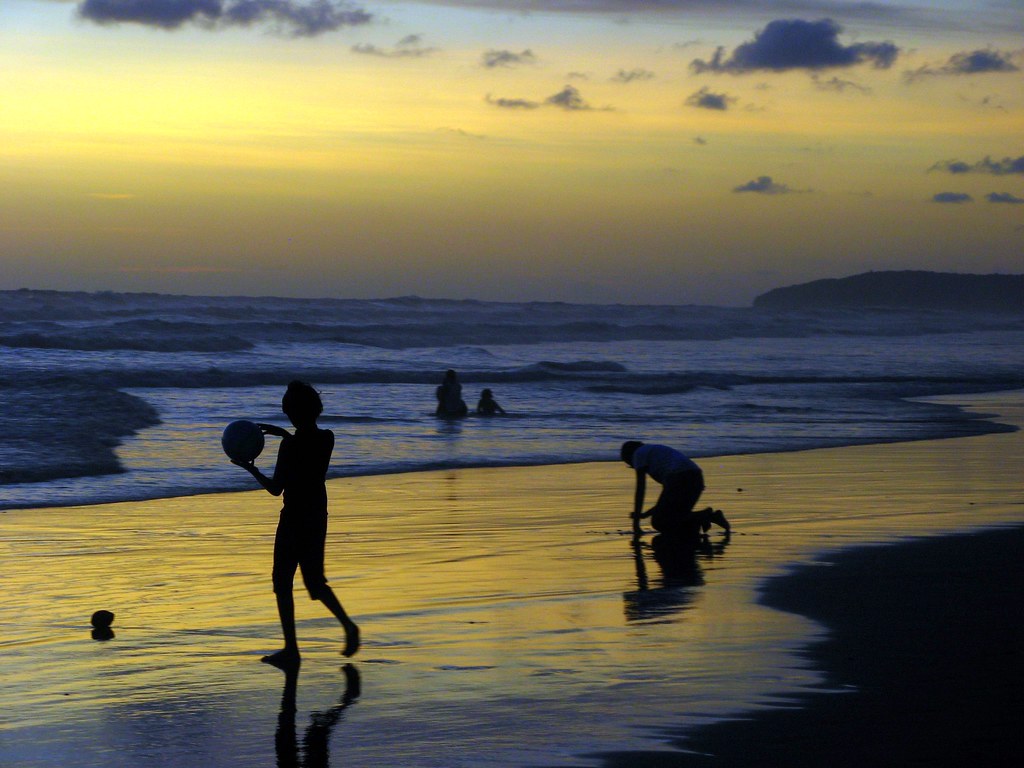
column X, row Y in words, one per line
column 628, row 449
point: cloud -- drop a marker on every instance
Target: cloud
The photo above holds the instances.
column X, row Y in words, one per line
column 494, row 58
column 632, row 75
column 952, row 197
column 763, row 185
column 838, row 85
column 294, row 18
column 787, row 44
column 568, row 98
column 978, row 62
column 705, row 99
column 1004, row 197
column 1005, row 167
column 407, row 48
column 511, row 103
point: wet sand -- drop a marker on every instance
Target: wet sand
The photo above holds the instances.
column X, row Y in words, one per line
column 509, row 620
column 924, row 663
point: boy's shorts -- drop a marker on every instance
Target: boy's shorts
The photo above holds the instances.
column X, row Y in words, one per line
column 300, row 544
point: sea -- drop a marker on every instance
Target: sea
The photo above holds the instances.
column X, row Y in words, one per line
column 124, row 396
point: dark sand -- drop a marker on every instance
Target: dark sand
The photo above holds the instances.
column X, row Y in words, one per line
column 924, row 664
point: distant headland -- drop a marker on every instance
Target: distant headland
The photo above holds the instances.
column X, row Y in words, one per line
column 903, row 290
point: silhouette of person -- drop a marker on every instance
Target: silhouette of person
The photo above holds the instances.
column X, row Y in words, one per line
column 487, row 405
column 315, row 749
column 450, row 404
column 300, row 474
column 682, row 484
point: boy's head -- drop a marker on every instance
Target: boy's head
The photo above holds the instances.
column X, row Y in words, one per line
column 628, row 449
column 301, row 403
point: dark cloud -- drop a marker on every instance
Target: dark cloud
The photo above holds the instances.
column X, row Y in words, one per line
column 1005, row 167
column 763, row 185
column 705, row 99
column 407, row 48
column 952, row 197
column 787, row 44
column 512, row 103
column 296, row 18
column 495, row 58
column 569, row 98
column 632, row 75
column 1004, row 197
column 968, row 63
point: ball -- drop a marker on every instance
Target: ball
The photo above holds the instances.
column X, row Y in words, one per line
column 102, row 619
column 242, row 440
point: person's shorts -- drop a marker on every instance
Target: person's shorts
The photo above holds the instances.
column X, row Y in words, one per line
column 679, row 495
column 300, row 544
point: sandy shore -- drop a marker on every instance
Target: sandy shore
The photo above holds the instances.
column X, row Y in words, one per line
column 508, row 619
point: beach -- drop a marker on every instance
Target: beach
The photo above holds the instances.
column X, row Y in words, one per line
column 509, row 619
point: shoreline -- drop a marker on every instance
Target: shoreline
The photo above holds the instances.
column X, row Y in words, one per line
column 986, row 424
column 507, row 617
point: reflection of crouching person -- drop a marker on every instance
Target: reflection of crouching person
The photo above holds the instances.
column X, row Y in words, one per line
column 682, row 483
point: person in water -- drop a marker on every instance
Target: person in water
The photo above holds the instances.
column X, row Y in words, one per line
column 300, row 474
column 449, row 397
column 487, row 405
column 682, row 484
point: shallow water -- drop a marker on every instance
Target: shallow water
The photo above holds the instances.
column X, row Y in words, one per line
column 507, row 619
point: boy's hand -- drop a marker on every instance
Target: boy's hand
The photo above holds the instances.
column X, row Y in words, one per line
column 273, row 429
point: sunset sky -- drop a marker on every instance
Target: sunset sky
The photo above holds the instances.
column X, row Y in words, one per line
column 656, row 151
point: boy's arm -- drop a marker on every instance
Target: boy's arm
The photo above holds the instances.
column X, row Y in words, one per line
column 274, row 485
column 270, row 483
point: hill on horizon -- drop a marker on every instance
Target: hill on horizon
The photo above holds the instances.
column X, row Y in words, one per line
column 908, row 289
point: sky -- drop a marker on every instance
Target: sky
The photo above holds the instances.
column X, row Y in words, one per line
column 612, row 151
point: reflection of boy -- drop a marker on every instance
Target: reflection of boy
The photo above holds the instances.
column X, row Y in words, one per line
column 682, row 484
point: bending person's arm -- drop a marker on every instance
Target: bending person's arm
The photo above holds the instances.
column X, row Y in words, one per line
column 638, row 498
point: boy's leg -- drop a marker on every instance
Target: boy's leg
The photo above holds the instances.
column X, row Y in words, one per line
column 328, row 598
column 312, row 564
column 285, row 563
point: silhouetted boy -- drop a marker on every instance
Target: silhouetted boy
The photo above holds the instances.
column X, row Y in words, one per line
column 300, row 474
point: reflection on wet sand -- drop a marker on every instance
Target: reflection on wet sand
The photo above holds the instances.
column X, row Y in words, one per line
column 314, row 751
column 679, row 560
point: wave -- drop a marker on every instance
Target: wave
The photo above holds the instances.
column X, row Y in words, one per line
column 64, row 428
column 162, row 323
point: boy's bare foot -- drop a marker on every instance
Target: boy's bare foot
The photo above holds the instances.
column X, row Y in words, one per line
column 719, row 519
column 284, row 659
column 351, row 638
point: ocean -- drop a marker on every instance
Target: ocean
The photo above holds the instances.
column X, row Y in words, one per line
column 114, row 396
